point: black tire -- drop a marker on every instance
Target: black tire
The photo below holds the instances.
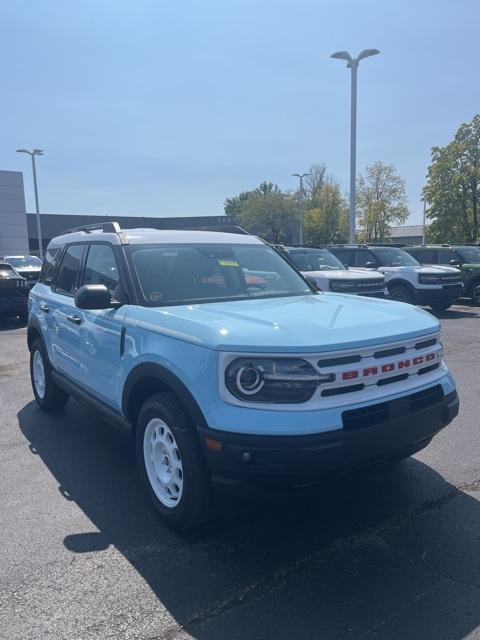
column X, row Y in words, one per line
column 402, row 293
column 53, row 397
column 441, row 306
column 475, row 292
column 195, row 505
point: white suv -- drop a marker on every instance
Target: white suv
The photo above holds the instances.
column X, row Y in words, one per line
column 407, row 280
column 332, row 275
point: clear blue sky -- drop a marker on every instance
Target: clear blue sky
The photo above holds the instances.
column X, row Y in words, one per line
column 165, row 108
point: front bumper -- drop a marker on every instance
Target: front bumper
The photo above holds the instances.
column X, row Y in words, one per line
column 403, row 425
column 443, row 295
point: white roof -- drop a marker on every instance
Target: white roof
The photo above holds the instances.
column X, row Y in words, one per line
column 161, row 236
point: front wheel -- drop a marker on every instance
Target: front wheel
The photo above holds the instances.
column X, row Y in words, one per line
column 476, row 293
column 48, row 395
column 402, row 293
column 171, row 463
column 441, row 306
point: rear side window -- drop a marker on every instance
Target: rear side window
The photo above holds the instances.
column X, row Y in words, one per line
column 49, row 264
column 101, row 267
column 69, row 269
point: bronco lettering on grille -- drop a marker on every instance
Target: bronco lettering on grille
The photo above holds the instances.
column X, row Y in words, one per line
column 354, row 374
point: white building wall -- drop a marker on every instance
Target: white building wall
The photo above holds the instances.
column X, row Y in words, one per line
column 13, row 217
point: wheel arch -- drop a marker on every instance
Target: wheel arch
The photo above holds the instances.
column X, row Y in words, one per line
column 149, row 378
column 33, row 332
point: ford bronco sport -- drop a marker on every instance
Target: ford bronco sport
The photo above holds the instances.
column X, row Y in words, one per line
column 226, row 365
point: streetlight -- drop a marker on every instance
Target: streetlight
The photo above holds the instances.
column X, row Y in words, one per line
column 33, row 153
column 352, row 63
column 301, row 176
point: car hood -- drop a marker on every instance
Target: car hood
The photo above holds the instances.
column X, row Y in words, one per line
column 420, row 269
column 345, row 274
column 310, row 323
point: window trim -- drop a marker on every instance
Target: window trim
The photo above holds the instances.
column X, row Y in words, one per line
column 59, row 265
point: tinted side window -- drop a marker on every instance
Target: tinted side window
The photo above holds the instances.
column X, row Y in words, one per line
column 49, row 264
column 69, row 268
column 345, row 255
column 425, row 256
column 101, row 267
column 445, row 255
column 362, row 257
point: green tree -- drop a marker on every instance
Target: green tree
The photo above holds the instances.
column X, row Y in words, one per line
column 381, row 201
column 326, row 218
column 233, row 206
column 453, row 187
column 271, row 208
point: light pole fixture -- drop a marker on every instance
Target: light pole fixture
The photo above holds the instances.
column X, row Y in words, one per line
column 301, row 176
column 33, row 153
column 352, row 63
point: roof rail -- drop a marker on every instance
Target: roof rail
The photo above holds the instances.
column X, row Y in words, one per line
column 105, row 227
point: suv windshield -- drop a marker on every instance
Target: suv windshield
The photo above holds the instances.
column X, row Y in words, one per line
column 470, row 254
column 188, row 273
column 24, row 261
column 314, row 260
column 393, row 257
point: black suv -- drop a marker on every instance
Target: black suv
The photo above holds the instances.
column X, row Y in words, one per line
column 464, row 257
column 13, row 293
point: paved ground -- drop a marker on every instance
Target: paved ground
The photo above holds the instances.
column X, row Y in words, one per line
column 393, row 556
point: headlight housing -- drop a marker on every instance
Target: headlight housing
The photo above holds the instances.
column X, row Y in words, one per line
column 427, row 278
column 273, row 380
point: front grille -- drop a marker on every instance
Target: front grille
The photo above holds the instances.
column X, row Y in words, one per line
column 357, row 286
column 355, row 419
column 450, row 278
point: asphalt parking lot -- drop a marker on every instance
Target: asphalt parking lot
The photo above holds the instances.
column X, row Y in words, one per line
column 390, row 555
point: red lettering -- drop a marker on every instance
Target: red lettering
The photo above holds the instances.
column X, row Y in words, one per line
column 418, row 360
column 349, row 375
column 386, row 368
column 371, row 371
column 430, row 356
column 403, row 364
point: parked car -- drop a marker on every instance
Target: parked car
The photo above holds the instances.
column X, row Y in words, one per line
column 330, row 274
column 221, row 381
column 407, row 280
column 465, row 257
column 27, row 266
column 13, row 293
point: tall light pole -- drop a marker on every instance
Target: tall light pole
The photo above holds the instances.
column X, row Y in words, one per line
column 424, row 216
column 33, row 153
column 352, row 63
column 301, row 176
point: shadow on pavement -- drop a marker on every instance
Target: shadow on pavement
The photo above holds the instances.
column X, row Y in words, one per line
column 393, row 554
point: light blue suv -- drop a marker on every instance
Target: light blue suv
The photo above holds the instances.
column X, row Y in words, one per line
column 226, row 365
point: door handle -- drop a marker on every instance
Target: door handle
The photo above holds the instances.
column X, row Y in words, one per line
column 44, row 307
column 74, row 319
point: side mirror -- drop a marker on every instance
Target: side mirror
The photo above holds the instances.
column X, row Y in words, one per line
column 370, row 265
column 93, row 296
column 455, row 263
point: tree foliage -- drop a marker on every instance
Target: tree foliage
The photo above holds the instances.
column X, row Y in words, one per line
column 453, row 187
column 381, row 201
column 233, row 206
column 271, row 208
column 326, row 217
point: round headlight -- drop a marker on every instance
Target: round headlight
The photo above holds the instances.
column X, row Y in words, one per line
column 249, row 380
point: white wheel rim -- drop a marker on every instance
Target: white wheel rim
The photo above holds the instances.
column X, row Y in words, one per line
column 39, row 374
column 163, row 462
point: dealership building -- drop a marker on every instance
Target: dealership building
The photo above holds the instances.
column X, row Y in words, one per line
column 18, row 229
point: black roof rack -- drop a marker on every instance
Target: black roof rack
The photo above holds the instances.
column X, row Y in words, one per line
column 105, row 227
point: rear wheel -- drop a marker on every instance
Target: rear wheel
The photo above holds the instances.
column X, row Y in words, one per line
column 171, row 463
column 48, row 395
column 401, row 293
column 475, row 293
